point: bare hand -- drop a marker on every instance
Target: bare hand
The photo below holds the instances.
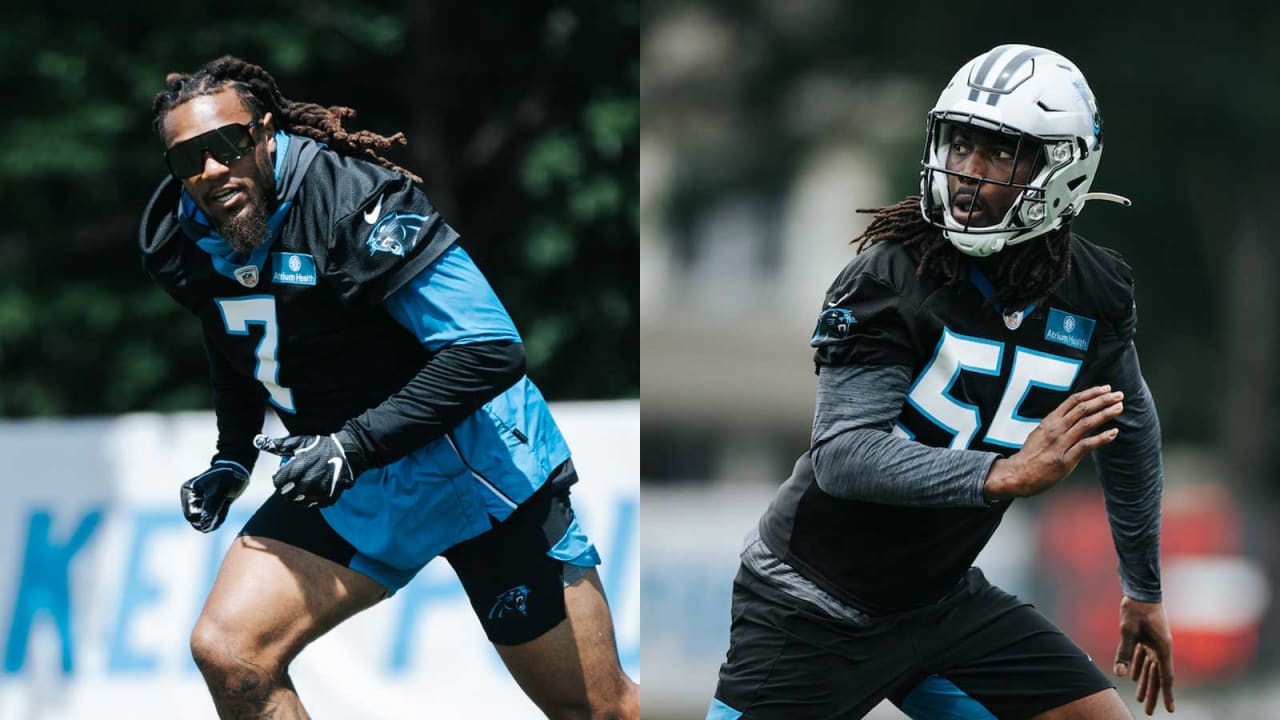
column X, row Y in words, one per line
column 1054, row 449
column 1146, row 652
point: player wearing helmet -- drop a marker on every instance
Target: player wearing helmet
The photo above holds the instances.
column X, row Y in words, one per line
column 1037, row 108
column 973, row 352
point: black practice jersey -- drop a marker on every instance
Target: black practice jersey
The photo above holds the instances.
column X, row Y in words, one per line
column 982, row 379
column 299, row 323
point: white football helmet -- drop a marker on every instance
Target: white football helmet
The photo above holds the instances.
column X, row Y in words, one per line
column 1040, row 100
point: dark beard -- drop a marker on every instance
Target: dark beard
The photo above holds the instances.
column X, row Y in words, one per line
column 247, row 230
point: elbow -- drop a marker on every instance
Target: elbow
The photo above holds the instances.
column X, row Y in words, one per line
column 498, row 366
column 484, row 370
column 820, row 475
column 834, row 478
column 510, row 365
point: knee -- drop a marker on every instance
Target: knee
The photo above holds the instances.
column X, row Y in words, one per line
column 209, row 647
column 627, row 703
column 590, row 712
column 627, row 707
column 621, row 704
column 220, row 650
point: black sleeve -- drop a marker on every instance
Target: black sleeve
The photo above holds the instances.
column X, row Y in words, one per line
column 391, row 236
column 1132, row 481
column 1119, row 311
column 455, row 383
column 161, row 241
column 240, row 404
column 860, row 324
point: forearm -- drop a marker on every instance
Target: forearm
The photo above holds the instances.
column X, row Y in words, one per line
column 1132, row 481
column 240, row 406
column 855, row 455
column 874, row 466
column 456, row 382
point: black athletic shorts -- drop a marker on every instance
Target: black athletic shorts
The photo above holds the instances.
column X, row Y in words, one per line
column 788, row 660
column 516, row 589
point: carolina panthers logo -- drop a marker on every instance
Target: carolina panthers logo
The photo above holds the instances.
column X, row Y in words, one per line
column 833, row 324
column 1084, row 98
column 396, row 233
column 512, row 601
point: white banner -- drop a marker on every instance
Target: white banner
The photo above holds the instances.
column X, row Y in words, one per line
column 101, row 580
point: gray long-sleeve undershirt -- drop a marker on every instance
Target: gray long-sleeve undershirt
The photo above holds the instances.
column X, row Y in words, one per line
column 856, row 456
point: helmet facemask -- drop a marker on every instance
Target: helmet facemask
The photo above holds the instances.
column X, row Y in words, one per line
column 1025, row 218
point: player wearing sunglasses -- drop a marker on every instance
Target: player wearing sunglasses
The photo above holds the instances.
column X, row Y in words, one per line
column 328, row 286
column 225, row 144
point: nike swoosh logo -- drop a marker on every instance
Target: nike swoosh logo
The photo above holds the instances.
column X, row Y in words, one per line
column 371, row 216
column 833, row 303
column 337, row 469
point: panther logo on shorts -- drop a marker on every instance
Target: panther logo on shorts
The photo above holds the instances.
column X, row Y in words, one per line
column 514, row 600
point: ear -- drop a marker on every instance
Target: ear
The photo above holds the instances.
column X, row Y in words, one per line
column 268, row 125
column 162, row 129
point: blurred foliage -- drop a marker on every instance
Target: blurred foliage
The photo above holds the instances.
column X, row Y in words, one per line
column 523, row 122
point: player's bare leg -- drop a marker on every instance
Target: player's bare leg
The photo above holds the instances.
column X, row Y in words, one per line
column 572, row 671
column 269, row 601
column 1102, row 705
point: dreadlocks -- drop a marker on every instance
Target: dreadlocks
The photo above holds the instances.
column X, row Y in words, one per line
column 257, row 89
column 1024, row 274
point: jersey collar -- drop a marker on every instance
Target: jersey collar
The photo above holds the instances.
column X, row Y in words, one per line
column 985, row 287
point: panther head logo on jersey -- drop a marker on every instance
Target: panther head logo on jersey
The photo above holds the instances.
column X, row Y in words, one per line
column 396, row 233
column 833, row 324
column 514, row 600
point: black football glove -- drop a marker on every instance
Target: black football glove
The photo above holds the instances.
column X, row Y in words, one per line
column 317, row 469
column 207, row 496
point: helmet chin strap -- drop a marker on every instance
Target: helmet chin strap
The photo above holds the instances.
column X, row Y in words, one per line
column 1109, row 197
column 995, row 243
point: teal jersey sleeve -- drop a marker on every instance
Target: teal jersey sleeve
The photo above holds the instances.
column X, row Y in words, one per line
column 451, row 303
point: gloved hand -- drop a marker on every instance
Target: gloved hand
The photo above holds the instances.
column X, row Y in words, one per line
column 317, row 469
column 207, row 496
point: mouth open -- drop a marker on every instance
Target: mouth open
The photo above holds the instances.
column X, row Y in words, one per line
column 968, row 212
column 225, row 199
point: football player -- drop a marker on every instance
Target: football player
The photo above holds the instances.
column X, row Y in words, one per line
column 973, row 352
column 328, row 287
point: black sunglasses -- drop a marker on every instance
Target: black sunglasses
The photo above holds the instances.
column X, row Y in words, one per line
column 226, row 144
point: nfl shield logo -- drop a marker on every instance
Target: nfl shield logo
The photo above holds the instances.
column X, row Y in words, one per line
column 248, row 275
column 1013, row 319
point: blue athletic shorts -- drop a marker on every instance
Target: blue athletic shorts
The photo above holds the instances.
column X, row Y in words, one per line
column 514, row 574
